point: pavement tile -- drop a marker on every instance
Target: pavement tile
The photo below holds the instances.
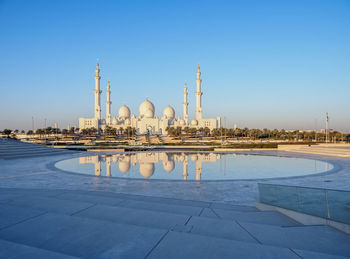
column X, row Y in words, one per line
column 201, row 204
column 184, row 245
column 6, row 197
column 219, row 228
column 172, row 208
column 83, row 237
column 12, row 250
column 262, row 217
column 208, row 213
column 112, row 201
column 226, row 206
column 138, row 217
column 11, row 214
column 171, row 201
column 315, row 255
column 322, row 239
column 25, row 192
column 51, row 204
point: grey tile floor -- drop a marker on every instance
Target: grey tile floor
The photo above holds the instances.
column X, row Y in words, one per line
column 95, row 224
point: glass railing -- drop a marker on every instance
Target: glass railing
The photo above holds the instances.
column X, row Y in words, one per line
column 325, row 203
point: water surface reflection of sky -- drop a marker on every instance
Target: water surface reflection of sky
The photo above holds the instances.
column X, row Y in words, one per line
column 192, row 166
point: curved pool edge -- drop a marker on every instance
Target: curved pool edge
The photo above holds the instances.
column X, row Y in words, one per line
column 336, row 168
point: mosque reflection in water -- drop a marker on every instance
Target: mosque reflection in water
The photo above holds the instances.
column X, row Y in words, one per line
column 147, row 161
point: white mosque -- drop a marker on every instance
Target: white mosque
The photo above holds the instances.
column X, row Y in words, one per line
column 147, row 122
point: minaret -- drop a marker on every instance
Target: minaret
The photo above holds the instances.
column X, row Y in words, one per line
column 185, row 104
column 97, row 93
column 108, row 166
column 108, row 105
column 97, row 168
column 185, row 168
column 198, row 170
column 198, row 96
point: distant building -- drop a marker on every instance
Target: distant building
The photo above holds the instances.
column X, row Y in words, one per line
column 146, row 121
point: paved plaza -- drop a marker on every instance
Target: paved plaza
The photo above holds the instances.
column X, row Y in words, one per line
column 47, row 213
column 95, row 224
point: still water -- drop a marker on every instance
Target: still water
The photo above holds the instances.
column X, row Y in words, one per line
column 192, row 166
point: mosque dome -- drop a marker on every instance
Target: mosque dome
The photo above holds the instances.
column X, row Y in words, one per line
column 124, row 166
column 194, row 122
column 182, row 122
column 147, row 109
column 169, row 112
column 124, row 112
column 169, row 166
column 148, row 114
column 146, row 169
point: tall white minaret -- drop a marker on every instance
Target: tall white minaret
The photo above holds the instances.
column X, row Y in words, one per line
column 108, row 166
column 108, row 105
column 198, row 170
column 185, row 168
column 185, row 104
column 198, row 96
column 97, row 93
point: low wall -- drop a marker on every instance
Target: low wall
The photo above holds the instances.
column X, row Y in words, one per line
column 304, row 219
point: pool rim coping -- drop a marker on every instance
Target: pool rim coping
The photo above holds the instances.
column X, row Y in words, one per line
column 336, row 167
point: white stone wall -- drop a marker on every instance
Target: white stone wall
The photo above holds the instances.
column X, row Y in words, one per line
column 85, row 123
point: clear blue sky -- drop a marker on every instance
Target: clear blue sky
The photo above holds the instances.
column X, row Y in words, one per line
column 274, row 64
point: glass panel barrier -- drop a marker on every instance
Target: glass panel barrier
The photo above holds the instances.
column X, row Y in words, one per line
column 324, row 203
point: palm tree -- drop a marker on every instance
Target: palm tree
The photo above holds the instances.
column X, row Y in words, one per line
column 7, row 132
column 186, row 130
column 65, row 132
column 206, row 131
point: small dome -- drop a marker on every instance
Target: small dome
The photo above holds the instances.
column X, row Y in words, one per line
column 146, row 169
column 124, row 166
column 124, row 112
column 182, row 122
column 169, row 166
column 146, row 109
column 169, row 112
column 194, row 122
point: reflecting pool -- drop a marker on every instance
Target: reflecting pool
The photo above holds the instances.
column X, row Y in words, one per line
column 192, row 166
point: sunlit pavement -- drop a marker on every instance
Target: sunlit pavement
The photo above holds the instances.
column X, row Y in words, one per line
column 49, row 213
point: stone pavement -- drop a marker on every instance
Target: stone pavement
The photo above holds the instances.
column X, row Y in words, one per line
column 45, row 212
column 10, row 148
column 339, row 150
column 94, row 224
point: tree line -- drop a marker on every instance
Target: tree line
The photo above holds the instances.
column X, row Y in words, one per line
column 238, row 133
column 254, row 134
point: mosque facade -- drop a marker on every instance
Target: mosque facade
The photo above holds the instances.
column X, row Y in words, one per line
column 146, row 121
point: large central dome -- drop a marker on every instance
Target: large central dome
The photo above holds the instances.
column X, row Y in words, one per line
column 146, row 109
